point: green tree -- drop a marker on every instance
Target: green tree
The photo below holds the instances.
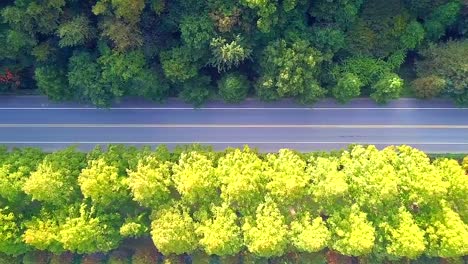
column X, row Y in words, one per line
column 446, row 61
column 446, row 233
column 178, row 64
column 347, row 87
column 197, row 31
column 405, row 238
column 226, row 55
column 10, row 233
column 342, row 12
column 428, row 87
column 55, row 179
column 103, row 184
column 329, row 186
column 173, row 231
column 52, row 81
column 266, row 234
column 233, row 87
column 220, row 234
column 84, row 77
column 129, row 10
column 196, row 91
column 15, row 170
column 34, row 16
column 387, row 88
column 289, row 70
column 287, row 179
column 195, row 179
column 76, row 31
column 242, row 179
column 43, row 231
column 124, row 36
column 150, row 183
column 309, row 235
column 89, row 232
column 352, row 233
column 442, row 17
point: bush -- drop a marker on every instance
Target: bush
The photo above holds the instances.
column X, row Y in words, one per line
column 428, row 87
column 387, row 88
column 196, row 91
column 348, row 87
column 233, row 87
column 447, row 61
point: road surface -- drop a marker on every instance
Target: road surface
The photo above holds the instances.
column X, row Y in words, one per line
column 433, row 126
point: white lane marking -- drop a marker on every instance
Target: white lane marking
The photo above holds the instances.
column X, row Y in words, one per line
column 235, row 108
column 233, row 142
column 230, row 126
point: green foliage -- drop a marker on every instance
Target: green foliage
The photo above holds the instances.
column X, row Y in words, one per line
column 266, row 233
column 352, row 233
column 196, row 91
column 447, row 62
column 286, row 48
column 309, row 235
column 52, row 82
column 89, row 232
column 10, row 233
column 289, row 70
column 226, row 55
column 43, row 233
column 124, row 36
column 84, row 78
column 347, row 87
column 178, row 64
column 173, row 231
column 34, row 16
column 55, row 180
column 197, row 31
column 287, row 179
column 387, row 88
column 150, row 182
column 394, row 204
column 428, row 87
column 342, row 12
column 75, row 32
column 440, row 18
column 405, row 238
column 233, row 87
column 242, row 179
column 15, row 168
column 221, row 235
column 195, row 179
column 102, row 183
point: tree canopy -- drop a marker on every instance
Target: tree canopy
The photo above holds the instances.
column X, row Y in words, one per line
column 99, row 51
column 377, row 205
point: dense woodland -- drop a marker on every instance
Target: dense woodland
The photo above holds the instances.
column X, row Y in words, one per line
column 125, row 205
column 98, row 51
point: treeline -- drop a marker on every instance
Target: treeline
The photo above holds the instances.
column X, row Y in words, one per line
column 98, row 51
column 287, row 207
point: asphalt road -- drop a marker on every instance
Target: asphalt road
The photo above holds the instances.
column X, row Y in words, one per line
column 436, row 126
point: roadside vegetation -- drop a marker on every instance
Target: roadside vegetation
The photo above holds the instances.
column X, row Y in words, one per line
column 98, row 51
column 126, row 205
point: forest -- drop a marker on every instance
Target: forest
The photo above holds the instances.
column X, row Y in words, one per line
column 97, row 51
column 127, row 205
